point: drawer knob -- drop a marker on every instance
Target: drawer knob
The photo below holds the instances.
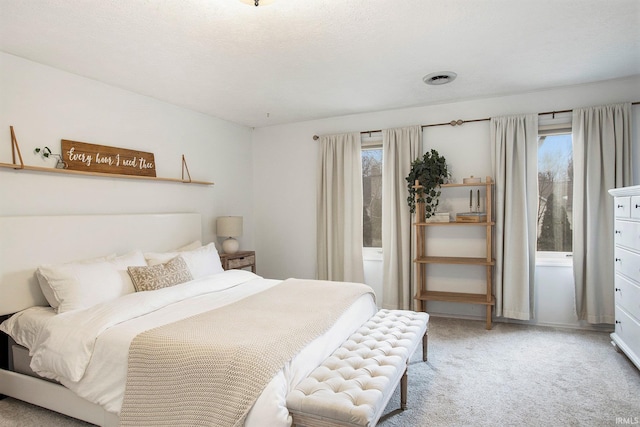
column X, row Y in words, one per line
column 618, row 322
column 618, row 289
column 618, row 232
column 618, row 259
column 620, row 206
column 637, row 206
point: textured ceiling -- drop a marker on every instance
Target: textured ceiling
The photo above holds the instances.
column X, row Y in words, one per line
column 298, row 60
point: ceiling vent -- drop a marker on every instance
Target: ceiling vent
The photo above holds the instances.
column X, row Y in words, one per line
column 439, row 78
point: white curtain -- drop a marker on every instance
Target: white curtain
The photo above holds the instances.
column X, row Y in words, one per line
column 339, row 199
column 399, row 147
column 514, row 146
column 602, row 160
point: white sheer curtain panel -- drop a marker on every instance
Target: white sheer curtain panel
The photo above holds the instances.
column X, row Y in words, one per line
column 339, row 199
column 399, row 147
column 514, row 146
column 602, row 160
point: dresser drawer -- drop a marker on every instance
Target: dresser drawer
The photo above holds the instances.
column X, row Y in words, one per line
column 635, row 207
column 628, row 264
column 622, row 207
column 245, row 261
column 627, row 234
column 628, row 296
column 628, row 330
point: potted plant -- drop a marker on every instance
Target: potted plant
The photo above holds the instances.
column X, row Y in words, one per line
column 430, row 171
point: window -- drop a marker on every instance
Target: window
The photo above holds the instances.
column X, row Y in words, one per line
column 555, row 191
column 372, row 195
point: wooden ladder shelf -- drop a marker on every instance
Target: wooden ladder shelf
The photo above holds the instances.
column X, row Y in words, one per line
column 422, row 260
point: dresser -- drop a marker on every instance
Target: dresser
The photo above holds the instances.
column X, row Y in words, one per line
column 626, row 336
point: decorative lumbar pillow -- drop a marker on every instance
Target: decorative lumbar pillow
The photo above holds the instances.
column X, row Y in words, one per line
column 202, row 261
column 83, row 284
column 150, row 278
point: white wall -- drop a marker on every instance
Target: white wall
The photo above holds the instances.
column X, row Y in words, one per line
column 46, row 105
column 269, row 178
column 285, row 165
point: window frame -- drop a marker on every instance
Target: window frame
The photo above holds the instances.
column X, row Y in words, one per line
column 372, row 143
column 554, row 258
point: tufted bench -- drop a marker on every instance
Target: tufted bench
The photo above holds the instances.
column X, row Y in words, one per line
column 353, row 386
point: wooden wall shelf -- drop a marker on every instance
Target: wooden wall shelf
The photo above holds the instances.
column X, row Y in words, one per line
column 107, row 175
column 21, row 166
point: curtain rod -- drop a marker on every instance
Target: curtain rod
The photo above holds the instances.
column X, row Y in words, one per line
column 460, row 122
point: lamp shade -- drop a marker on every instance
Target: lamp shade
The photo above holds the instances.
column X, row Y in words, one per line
column 229, row 226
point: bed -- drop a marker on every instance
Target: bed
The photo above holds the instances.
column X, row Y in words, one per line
column 99, row 355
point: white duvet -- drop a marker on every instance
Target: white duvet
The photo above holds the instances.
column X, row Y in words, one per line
column 87, row 350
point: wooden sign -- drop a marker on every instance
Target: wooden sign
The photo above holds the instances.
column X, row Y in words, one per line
column 82, row 156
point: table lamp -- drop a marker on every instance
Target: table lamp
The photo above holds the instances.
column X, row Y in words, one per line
column 229, row 227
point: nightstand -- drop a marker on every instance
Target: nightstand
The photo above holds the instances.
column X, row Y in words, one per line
column 241, row 259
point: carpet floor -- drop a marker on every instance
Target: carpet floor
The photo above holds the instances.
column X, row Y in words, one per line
column 512, row 375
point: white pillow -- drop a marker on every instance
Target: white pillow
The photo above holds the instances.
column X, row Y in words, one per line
column 25, row 326
column 44, row 284
column 191, row 246
column 121, row 263
column 81, row 285
column 201, row 262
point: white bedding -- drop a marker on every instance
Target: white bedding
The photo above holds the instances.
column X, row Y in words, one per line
column 86, row 350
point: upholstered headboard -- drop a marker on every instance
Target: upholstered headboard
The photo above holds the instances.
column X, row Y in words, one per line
column 29, row 241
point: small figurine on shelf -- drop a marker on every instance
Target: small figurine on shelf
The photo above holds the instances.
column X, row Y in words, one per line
column 46, row 153
column 472, row 215
column 471, row 180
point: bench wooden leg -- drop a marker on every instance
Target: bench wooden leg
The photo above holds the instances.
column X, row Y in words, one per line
column 403, row 390
column 424, row 346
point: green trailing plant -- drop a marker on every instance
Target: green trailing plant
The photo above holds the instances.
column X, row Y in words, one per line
column 44, row 152
column 430, row 171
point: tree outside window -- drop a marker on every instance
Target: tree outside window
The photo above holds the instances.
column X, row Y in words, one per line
column 555, row 193
column 372, row 197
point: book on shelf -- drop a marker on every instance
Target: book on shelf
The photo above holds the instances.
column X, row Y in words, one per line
column 438, row 217
column 471, row 217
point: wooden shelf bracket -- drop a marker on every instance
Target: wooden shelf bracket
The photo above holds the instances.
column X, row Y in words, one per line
column 15, row 147
column 185, row 167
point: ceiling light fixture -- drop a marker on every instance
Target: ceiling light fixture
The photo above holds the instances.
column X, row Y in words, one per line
column 439, row 78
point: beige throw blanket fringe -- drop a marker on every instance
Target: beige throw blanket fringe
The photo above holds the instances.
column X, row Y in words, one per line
column 208, row 370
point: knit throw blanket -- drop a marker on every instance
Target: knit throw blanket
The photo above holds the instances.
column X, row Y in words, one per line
column 208, row 370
